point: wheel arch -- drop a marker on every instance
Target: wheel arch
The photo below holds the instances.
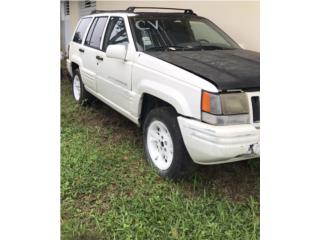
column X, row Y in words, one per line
column 75, row 62
column 154, row 95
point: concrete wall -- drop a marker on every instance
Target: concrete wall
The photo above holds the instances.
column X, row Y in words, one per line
column 239, row 19
column 74, row 15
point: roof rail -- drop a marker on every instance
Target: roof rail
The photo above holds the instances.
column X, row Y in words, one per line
column 107, row 11
column 186, row 11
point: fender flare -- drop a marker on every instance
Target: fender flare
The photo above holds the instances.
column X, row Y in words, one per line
column 165, row 93
column 77, row 60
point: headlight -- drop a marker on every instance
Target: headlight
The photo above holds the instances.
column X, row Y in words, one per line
column 225, row 108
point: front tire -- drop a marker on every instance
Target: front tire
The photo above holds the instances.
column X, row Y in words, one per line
column 80, row 94
column 163, row 144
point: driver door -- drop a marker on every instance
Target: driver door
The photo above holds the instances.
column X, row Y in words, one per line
column 114, row 75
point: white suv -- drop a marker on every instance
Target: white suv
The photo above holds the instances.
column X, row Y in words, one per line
column 193, row 90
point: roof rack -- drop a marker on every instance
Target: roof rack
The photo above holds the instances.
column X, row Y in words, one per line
column 107, row 11
column 132, row 10
column 186, row 11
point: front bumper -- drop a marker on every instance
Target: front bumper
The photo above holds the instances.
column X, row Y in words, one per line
column 209, row 144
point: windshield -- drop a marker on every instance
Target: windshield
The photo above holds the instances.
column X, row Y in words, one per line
column 160, row 33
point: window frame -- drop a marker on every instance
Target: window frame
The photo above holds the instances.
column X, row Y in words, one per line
column 92, row 25
column 86, row 31
column 103, row 32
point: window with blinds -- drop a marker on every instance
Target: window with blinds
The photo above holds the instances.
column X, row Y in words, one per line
column 66, row 8
column 88, row 4
column 86, row 7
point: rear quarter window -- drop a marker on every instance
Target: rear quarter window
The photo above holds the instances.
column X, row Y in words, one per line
column 81, row 30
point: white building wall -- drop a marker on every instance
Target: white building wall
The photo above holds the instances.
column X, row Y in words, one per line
column 239, row 19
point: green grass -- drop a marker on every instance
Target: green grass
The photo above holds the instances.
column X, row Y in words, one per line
column 108, row 191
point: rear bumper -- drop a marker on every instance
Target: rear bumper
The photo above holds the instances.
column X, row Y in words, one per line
column 208, row 144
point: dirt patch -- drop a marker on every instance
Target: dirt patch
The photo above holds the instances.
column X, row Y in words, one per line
column 237, row 181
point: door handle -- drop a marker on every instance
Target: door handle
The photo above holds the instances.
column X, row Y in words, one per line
column 99, row 58
column 81, row 50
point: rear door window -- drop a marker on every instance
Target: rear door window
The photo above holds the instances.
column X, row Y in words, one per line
column 81, row 30
column 89, row 35
column 95, row 33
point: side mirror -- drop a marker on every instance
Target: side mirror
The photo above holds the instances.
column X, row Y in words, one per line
column 117, row 51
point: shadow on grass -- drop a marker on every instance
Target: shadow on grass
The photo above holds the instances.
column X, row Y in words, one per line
column 237, row 181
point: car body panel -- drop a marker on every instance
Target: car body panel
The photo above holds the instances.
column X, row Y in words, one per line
column 209, row 144
column 226, row 69
column 122, row 84
column 165, row 81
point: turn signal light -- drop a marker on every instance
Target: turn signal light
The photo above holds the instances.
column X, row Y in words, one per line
column 205, row 105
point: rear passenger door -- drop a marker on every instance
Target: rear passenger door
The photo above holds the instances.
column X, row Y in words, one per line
column 91, row 51
column 76, row 51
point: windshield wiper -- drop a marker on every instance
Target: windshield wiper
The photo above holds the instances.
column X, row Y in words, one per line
column 196, row 45
column 210, row 46
column 175, row 47
column 159, row 48
column 168, row 48
column 215, row 47
column 189, row 47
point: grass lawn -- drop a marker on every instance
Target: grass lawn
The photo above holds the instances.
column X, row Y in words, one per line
column 108, row 191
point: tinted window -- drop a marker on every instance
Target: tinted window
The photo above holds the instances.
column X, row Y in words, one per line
column 95, row 33
column 89, row 35
column 116, row 32
column 81, row 30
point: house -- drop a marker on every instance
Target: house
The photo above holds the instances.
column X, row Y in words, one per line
column 70, row 12
column 239, row 19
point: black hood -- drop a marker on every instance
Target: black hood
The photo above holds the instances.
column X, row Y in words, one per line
column 226, row 69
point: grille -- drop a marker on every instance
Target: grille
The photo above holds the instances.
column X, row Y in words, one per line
column 255, row 101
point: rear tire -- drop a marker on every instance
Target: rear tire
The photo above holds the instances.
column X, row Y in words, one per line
column 80, row 94
column 163, row 144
